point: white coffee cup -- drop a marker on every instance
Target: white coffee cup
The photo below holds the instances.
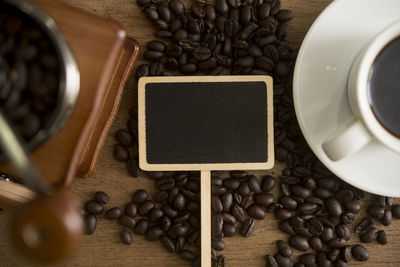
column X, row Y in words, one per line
column 364, row 127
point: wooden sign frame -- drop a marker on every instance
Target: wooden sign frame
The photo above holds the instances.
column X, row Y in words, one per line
column 204, row 166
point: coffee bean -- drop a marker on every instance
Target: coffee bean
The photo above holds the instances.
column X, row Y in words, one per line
column 333, row 254
column 284, row 248
column 169, row 211
column 161, row 196
column 309, row 259
column 346, row 253
column 221, row 6
column 353, row 206
column 360, row 253
column 334, row 207
column 300, row 191
column 201, row 53
column 297, row 222
column 369, row 235
column 154, row 233
column 113, row 213
column 238, row 174
column 168, row 243
column 263, row 199
column 299, row 242
column 244, row 189
column 166, row 183
column 288, row 202
column 155, row 214
column 131, row 210
column 177, row 7
column 247, row 228
column 121, row 153
column 210, row 13
column 102, row 197
column 94, row 207
column 322, row 260
column 387, row 218
column 290, row 180
column 315, row 243
column 337, row 243
column 327, row 234
column 376, row 211
column 217, row 223
column 218, row 190
column 165, row 223
column 285, row 227
column 188, row 69
column 268, row 183
column 254, row 184
column 348, row 218
column 284, row 214
column 256, row 212
column 127, row 221
column 228, row 229
column 271, row 262
column 179, row 202
column 382, row 238
column 227, row 201
column 283, row 261
column 216, row 204
column 90, row 224
column 284, row 15
column 363, row 225
column 126, row 237
column 141, row 226
column 187, row 255
column 396, row 211
column 315, row 226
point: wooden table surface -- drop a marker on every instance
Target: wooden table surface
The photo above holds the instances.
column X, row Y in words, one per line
column 104, row 247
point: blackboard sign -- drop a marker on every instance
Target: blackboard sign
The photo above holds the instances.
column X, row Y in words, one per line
column 207, row 122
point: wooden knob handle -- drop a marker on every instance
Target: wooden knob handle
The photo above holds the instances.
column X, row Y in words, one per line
column 48, row 228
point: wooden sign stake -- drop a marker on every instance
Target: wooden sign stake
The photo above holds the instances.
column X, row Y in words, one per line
column 205, row 193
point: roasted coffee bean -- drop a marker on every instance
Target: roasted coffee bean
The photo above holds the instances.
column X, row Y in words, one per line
column 228, row 229
column 284, row 15
column 187, row 255
column 217, row 223
column 343, row 231
column 228, row 218
column 218, row 245
column 126, row 237
column 315, row 226
column 297, row 222
column 244, row 189
column 155, row 214
column 309, row 259
column 192, row 206
column 334, row 207
column 322, row 260
column 346, row 253
column 387, row 218
column 268, row 183
column 360, row 253
column 209, row 64
column 238, row 212
column 165, row 223
column 353, row 206
column 333, row 254
column 246, row 14
column 283, row 261
column 113, row 213
column 221, row 6
column 376, row 211
column 151, row 13
column 188, row 69
column 381, row 238
column 327, row 234
column 396, row 211
column 177, row 7
column 337, row 243
column 345, row 195
column 210, row 13
column 322, row 193
column 141, row 227
column 218, row 190
column 256, row 212
column 247, row 228
column 284, row 248
column 155, row 174
column 232, row 183
column 363, row 225
column 254, row 184
column 300, row 191
column 304, row 232
column 154, row 233
column 182, row 217
column 169, row 211
column 308, row 208
column 201, row 53
column 284, row 214
column 131, row 210
column 94, row 207
column 121, row 153
column 288, row 202
column 152, row 55
column 285, row 189
column 263, row 199
column 285, row 227
column 179, row 202
column 132, row 167
column 271, row 261
column 315, row 243
column 102, row 197
column 340, row 263
column 216, row 204
column 247, row 202
column 166, row 183
column 290, row 180
column 90, row 224
column 161, row 196
column 168, row 243
column 140, row 196
column 348, row 218
column 369, row 235
column 127, row 221
column 227, row 201
column 299, row 242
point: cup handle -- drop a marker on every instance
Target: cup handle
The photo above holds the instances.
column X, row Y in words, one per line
column 347, row 141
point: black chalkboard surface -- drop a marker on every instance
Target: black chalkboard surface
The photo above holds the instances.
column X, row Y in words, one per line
column 205, row 123
column 189, row 122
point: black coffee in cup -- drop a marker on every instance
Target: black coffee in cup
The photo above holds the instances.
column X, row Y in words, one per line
column 384, row 87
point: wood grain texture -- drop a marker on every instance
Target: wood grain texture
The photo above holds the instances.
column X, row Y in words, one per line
column 104, row 247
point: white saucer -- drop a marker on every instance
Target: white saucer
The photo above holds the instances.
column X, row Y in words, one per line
column 320, row 89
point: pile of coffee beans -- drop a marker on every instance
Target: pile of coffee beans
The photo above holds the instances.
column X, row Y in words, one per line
column 315, row 208
column 29, row 72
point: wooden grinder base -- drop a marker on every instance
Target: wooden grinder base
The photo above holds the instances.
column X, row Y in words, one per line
column 105, row 59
